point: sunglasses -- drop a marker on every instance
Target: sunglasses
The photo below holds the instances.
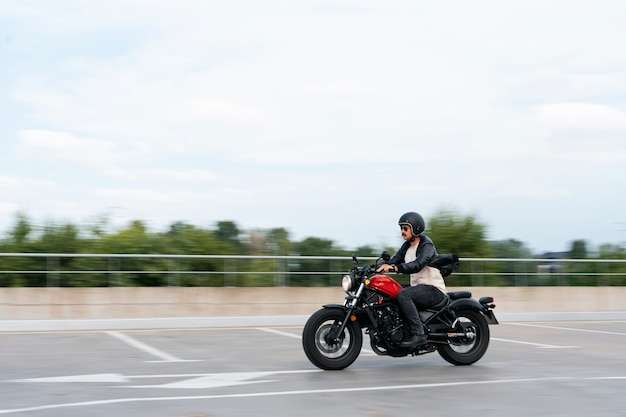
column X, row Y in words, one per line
column 405, row 228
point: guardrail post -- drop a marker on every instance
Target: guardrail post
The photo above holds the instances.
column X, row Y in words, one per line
column 279, row 267
column 173, row 271
column 53, row 267
column 521, row 279
column 230, row 272
column 115, row 278
column 477, row 279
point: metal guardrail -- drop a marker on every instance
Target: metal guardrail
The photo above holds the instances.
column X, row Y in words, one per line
column 285, row 270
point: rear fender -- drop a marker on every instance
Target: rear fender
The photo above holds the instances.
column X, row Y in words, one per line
column 472, row 304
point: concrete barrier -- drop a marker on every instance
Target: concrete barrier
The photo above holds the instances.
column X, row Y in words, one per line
column 140, row 307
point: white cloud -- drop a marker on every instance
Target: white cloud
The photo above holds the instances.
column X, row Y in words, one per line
column 222, row 111
column 134, row 195
column 585, row 116
column 11, row 185
column 204, row 110
column 63, row 145
column 9, row 209
column 184, row 175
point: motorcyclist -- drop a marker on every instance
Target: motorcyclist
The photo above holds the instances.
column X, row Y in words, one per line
column 427, row 289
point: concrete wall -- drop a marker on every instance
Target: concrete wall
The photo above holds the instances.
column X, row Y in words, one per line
column 146, row 302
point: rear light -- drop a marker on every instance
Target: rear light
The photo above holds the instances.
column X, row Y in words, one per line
column 487, row 302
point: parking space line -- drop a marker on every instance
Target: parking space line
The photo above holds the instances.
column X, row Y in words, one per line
column 568, row 328
column 278, row 332
column 165, row 357
column 295, row 336
column 539, row 345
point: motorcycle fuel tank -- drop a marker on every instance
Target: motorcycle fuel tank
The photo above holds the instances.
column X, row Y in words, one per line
column 384, row 284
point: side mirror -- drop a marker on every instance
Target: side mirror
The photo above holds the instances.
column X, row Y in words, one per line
column 385, row 255
column 354, row 259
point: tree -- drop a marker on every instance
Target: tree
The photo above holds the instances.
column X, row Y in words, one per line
column 136, row 239
column 367, row 251
column 21, row 229
column 278, row 241
column 228, row 231
column 463, row 236
column 313, row 246
column 510, row 271
column 186, row 239
column 454, row 233
column 612, row 251
column 578, row 250
column 510, row 248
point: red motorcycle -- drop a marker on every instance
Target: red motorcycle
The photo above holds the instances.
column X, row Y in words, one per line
column 458, row 329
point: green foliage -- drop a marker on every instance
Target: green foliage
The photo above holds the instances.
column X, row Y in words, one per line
column 454, row 233
column 21, row 230
column 451, row 232
column 611, row 251
column 309, row 246
column 228, row 232
column 363, row 251
column 578, row 250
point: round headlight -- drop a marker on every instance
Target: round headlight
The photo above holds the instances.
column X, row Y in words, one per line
column 346, row 283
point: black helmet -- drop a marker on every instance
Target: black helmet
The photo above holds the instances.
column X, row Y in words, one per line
column 415, row 221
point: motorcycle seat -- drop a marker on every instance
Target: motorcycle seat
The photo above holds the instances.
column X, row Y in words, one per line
column 443, row 303
column 455, row 295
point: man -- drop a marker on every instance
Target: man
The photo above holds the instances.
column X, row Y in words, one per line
column 427, row 288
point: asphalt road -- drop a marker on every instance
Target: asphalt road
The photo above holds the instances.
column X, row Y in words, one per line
column 571, row 368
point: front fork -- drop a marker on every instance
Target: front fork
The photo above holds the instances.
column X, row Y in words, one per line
column 351, row 303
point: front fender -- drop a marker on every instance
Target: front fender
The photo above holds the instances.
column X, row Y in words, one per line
column 339, row 306
column 471, row 304
column 361, row 316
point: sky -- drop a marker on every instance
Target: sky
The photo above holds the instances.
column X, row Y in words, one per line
column 328, row 118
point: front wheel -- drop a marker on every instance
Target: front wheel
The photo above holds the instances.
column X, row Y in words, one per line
column 324, row 347
column 471, row 348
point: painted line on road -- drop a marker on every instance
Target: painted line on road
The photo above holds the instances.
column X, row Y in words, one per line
column 568, row 328
column 278, row 332
column 127, row 378
column 539, row 345
column 298, row 392
column 295, row 336
column 165, row 357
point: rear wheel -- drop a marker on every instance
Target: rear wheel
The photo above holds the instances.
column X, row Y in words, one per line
column 324, row 347
column 469, row 349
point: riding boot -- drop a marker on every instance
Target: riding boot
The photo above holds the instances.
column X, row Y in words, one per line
column 418, row 338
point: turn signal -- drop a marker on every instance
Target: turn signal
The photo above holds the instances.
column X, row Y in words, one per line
column 352, row 317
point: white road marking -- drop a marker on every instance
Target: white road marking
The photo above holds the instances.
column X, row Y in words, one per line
column 296, row 392
column 568, row 328
column 278, row 332
column 79, row 378
column 295, row 336
column 227, row 376
column 539, row 345
column 211, row 381
column 165, row 357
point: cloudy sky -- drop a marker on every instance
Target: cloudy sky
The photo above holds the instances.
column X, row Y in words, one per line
column 329, row 118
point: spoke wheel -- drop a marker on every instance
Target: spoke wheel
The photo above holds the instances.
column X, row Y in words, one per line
column 324, row 347
column 471, row 348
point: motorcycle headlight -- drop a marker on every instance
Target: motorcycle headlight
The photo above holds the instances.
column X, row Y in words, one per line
column 347, row 283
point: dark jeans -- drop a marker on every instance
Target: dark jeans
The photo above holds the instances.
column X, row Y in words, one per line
column 418, row 297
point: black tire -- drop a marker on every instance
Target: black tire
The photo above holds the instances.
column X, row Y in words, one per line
column 331, row 356
column 469, row 351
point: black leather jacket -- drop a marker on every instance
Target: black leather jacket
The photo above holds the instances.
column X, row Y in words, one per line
column 425, row 253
